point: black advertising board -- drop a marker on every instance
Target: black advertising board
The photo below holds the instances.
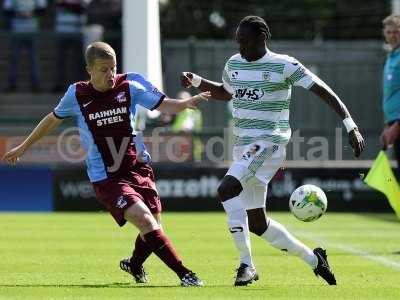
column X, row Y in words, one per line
column 73, row 191
column 190, row 188
column 344, row 189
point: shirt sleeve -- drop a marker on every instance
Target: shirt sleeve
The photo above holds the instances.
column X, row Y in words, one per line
column 68, row 105
column 298, row 75
column 143, row 92
column 226, row 82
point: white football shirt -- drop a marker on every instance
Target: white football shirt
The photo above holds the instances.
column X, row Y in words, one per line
column 261, row 92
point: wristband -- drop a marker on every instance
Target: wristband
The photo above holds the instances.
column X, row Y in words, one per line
column 196, row 80
column 349, row 124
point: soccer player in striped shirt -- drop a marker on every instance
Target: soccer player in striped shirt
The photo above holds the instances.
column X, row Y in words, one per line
column 104, row 109
column 259, row 83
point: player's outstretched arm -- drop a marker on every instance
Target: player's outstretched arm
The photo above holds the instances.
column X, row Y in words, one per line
column 47, row 124
column 356, row 140
column 217, row 90
column 174, row 106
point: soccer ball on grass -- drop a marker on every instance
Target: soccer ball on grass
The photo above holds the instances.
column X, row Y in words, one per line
column 308, row 203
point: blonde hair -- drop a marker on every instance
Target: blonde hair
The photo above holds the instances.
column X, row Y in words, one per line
column 98, row 50
column 392, row 20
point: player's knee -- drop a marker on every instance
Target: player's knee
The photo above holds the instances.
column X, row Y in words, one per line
column 146, row 223
column 139, row 215
column 229, row 187
column 258, row 227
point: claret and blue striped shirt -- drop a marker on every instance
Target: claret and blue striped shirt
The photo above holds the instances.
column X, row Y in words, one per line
column 106, row 120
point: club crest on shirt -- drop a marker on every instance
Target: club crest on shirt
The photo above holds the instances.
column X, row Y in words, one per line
column 121, row 202
column 266, row 76
column 121, row 97
column 234, row 75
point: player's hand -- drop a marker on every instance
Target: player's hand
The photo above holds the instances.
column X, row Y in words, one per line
column 142, row 154
column 382, row 137
column 390, row 134
column 356, row 142
column 186, row 79
column 195, row 100
column 12, row 156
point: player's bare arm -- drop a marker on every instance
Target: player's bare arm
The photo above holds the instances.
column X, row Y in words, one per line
column 174, row 106
column 47, row 124
column 356, row 140
column 217, row 90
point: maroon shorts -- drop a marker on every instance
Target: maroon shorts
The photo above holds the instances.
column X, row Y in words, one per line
column 117, row 194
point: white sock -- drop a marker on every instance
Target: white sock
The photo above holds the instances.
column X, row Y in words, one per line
column 280, row 238
column 239, row 228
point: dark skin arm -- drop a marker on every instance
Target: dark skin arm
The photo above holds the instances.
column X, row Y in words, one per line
column 356, row 140
column 217, row 90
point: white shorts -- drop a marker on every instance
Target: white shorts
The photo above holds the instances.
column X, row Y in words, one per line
column 254, row 166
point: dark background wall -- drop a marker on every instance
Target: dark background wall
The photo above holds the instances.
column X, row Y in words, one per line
column 181, row 187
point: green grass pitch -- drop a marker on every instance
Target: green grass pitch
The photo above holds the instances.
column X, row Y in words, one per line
column 76, row 256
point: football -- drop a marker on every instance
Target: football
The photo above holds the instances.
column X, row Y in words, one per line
column 308, row 203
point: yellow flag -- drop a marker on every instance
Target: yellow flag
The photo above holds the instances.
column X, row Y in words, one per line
column 381, row 177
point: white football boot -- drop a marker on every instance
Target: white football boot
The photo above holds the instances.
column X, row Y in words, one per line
column 245, row 275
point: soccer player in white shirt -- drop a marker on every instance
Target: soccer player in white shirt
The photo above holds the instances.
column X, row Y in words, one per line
column 259, row 83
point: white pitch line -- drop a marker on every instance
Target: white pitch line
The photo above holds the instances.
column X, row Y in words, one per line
column 359, row 252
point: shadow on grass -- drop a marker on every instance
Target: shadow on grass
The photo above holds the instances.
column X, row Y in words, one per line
column 379, row 253
column 387, row 217
column 98, row 285
column 89, row 286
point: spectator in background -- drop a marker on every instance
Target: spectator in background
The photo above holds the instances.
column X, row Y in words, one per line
column 22, row 16
column 391, row 87
column 70, row 20
column 189, row 120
